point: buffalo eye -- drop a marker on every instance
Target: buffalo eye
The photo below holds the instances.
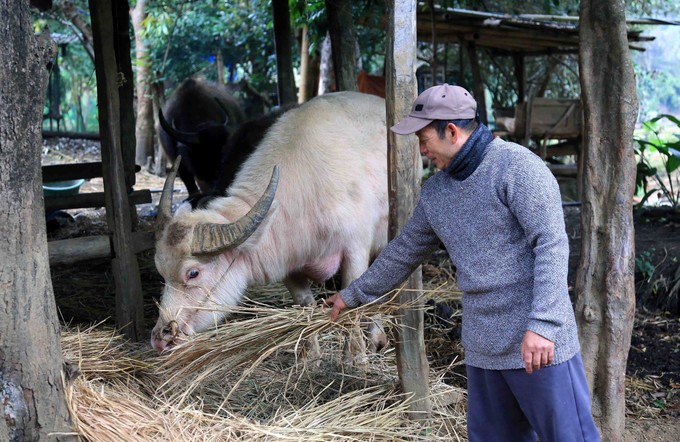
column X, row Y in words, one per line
column 193, row 273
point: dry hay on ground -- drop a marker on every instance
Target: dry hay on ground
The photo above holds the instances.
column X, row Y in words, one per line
column 243, row 381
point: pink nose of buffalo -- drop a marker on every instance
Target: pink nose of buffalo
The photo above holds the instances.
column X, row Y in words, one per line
column 165, row 337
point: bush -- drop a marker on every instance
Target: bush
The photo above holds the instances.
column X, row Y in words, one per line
column 659, row 144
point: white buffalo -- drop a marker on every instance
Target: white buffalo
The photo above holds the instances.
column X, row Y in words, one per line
column 310, row 200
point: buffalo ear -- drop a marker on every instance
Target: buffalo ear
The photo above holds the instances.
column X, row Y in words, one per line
column 224, row 109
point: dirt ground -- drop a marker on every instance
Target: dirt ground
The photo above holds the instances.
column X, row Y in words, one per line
column 653, row 372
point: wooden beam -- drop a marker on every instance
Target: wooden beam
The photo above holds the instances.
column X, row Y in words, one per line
column 72, row 250
column 129, row 307
column 63, row 172
column 405, row 168
column 564, row 170
column 72, row 135
column 92, row 199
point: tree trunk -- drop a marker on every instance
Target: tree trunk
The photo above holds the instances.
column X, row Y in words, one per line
column 304, row 65
column 326, row 67
column 32, row 400
column 313, row 74
column 219, row 64
column 605, row 287
column 343, row 43
column 144, row 130
column 284, row 55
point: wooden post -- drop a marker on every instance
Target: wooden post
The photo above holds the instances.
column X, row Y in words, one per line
column 434, row 65
column 520, row 75
column 405, row 169
column 126, row 95
column 126, row 89
column 124, row 264
column 478, row 86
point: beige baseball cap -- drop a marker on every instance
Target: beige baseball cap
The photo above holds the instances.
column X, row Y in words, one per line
column 442, row 102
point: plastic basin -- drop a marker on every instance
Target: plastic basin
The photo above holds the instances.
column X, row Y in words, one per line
column 62, row 188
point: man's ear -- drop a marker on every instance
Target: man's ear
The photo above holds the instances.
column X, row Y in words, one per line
column 453, row 130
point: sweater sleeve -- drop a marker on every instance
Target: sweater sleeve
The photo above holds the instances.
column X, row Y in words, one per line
column 396, row 262
column 534, row 198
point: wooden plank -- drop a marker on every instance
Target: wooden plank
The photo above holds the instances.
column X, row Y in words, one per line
column 404, row 169
column 129, row 307
column 63, row 172
column 72, row 250
column 558, row 118
column 72, row 135
column 564, row 170
column 92, row 199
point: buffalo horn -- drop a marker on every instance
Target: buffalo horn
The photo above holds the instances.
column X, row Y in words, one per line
column 211, row 238
column 182, row 137
column 165, row 203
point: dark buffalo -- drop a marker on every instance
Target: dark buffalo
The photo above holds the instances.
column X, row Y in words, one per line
column 236, row 150
column 242, row 143
column 196, row 122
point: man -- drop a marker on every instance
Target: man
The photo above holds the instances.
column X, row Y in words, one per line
column 497, row 209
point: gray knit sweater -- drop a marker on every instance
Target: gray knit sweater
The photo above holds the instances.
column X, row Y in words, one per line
column 503, row 227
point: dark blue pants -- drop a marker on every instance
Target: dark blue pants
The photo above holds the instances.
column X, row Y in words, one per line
column 552, row 403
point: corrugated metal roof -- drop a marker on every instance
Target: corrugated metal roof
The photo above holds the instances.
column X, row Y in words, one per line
column 525, row 34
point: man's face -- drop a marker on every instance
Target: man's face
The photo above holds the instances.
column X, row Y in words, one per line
column 439, row 151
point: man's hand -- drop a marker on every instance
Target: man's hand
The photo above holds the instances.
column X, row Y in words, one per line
column 338, row 305
column 537, row 351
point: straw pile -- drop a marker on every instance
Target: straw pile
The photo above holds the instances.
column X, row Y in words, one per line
column 244, row 381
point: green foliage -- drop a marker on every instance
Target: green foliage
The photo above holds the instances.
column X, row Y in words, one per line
column 645, row 265
column 72, row 84
column 185, row 37
column 665, row 149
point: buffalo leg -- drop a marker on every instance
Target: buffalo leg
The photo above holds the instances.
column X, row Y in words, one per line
column 300, row 287
column 354, row 264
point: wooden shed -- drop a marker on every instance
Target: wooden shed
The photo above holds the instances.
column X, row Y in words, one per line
column 519, row 37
